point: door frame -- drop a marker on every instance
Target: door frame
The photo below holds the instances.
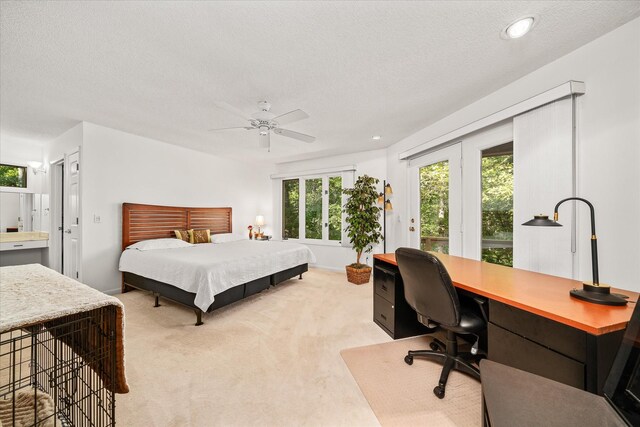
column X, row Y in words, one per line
column 57, row 211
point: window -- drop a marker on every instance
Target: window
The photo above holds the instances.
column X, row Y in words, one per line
column 497, row 204
column 312, row 208
column 13, row 176
column 290, row 208
column 335, row 208
column 434, row 207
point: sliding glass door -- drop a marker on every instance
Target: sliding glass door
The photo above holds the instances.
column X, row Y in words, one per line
column 462, row 198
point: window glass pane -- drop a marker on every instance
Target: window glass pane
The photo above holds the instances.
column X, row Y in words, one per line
column 497, row 205
column 13, row 176
column 313, row 208
column 434, row 207
column 335, row 208
column 290, row 209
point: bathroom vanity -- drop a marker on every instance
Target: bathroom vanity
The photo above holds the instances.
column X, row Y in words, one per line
column 29, row 213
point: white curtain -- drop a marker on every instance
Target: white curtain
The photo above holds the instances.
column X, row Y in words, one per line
column 543, row 175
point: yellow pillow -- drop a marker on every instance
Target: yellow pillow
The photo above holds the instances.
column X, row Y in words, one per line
column 183, row 235
column 200, row 236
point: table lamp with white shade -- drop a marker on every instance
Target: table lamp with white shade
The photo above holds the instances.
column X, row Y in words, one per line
column 259, row 223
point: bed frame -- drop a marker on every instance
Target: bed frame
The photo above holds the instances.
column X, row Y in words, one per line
column 142, row 222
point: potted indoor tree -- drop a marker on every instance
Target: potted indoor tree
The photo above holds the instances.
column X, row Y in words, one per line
column 363, row 225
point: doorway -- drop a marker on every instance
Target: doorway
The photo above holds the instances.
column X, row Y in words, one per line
column 65, row 239
column 56, row 237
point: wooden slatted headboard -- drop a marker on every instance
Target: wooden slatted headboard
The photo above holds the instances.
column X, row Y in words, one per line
column 142, row 222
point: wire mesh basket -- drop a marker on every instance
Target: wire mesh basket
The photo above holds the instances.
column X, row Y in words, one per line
column 60, row 372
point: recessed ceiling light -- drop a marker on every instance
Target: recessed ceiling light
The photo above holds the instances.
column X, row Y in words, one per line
column 376, row 137
column 519, row 28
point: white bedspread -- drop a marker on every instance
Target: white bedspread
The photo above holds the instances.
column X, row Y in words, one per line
column 208, row 269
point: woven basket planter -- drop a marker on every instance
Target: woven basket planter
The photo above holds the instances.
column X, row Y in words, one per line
column 358, row 276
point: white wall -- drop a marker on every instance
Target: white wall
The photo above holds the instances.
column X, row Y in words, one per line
column 66, row 142
column 119, row 167
column 20, row 150
column 608, row 148
column 372, row 163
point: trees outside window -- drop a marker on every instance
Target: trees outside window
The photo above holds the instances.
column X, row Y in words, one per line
column 497, row 207
column 434, row 207
column 290, row 208
column 13, row 176
column 321, row 198
column 313, row 208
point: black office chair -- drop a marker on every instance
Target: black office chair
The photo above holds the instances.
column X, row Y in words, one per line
column 429, row 291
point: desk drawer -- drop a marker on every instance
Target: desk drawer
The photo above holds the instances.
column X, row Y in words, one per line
column 513, row 350
column 561, row 338
column 384, row 282
column 384, row 313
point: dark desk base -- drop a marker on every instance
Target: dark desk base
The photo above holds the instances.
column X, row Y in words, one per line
column 515, row 337
column 390, row 309
column 550, row 349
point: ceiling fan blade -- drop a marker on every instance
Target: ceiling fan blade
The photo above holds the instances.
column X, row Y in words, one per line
column 231, row 109
column 264, row 141
column 241, row 127
column 290, row 117
column 294, row 135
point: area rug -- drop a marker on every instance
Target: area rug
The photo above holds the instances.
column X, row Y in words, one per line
column 402, row 395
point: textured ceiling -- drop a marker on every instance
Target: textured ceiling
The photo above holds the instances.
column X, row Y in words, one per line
column 358, row 68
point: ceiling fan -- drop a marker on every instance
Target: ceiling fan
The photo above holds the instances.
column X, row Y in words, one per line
column 265, row 121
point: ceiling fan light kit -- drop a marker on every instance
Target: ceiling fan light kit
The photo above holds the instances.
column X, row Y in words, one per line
column 265, row 121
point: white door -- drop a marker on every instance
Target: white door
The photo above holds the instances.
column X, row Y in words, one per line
column 71, row 216
column 436, row 201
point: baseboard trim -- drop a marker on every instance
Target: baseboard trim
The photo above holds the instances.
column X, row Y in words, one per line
column 326, row 267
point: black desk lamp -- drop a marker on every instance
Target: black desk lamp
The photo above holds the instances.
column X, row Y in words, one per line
column 595, row 291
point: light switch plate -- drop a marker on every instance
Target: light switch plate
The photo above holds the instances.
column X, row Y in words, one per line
column 96, row 218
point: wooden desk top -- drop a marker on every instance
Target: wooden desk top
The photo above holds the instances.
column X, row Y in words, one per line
column 537, row 293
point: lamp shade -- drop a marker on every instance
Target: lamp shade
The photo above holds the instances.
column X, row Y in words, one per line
column 388, row 190
column 542, row 221
column 388, row 206
column 259, row 220
column 35, row 164
column 380, row 198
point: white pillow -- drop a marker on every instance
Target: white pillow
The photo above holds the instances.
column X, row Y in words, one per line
column 148, row 245
column 227, row 237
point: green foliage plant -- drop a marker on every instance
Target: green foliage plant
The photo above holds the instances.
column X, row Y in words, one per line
column 362, row 215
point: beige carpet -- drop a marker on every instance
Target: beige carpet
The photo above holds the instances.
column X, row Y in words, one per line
column 401, row 395
column 271, row 360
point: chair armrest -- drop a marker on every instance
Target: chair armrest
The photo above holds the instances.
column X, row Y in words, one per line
column 517, row 398
column 482, row 303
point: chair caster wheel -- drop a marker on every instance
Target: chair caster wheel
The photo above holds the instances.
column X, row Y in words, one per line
column 434, row 346
column 439, row 392
column 408, row 360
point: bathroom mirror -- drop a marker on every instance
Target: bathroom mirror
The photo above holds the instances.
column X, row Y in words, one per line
column 24, row 212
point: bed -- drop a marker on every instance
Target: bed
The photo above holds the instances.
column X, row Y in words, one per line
column 204, row 276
